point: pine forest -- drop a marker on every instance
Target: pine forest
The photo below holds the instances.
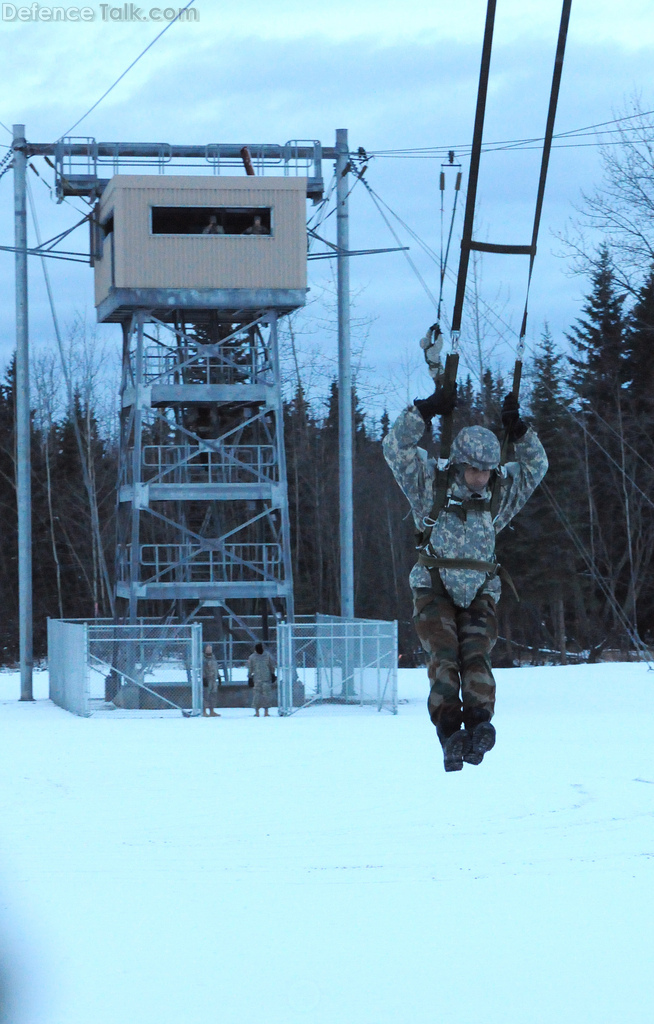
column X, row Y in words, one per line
column 581, row 553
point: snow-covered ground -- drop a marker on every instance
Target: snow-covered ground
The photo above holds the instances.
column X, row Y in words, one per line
column 323, row 868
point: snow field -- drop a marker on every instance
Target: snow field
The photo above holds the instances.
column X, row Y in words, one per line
column 324, row 868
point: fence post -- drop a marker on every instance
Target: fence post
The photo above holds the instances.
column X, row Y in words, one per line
column 196, row 670
column 87, row 673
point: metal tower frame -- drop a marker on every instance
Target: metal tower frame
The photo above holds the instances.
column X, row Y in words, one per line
column 202, row 498
column 261, row 567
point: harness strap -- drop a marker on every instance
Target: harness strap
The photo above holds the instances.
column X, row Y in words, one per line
column 460, row 508
column 475, row 564
column 442, row 476
column 456, row 507
column 493, row 569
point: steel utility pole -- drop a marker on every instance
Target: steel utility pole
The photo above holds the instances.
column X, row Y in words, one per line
column 345, row 426
column 23, row 459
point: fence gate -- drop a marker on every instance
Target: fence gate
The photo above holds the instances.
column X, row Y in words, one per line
column 145, row 667
column 337, row 661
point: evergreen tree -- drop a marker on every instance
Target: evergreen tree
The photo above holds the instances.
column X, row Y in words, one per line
column 599, row 383
column 639, row 360
column 599, row 340
column 539, row 548
column 637, row 452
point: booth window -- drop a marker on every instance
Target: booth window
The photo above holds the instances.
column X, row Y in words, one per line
column 211, row 220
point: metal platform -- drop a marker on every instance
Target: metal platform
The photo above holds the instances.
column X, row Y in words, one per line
column 165, row 303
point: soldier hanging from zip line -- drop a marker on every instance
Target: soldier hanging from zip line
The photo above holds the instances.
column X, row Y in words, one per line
column 458, row 509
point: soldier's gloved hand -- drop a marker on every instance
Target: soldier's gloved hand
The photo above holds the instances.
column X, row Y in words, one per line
column 431, row 345
column 515, row 427
column 438, row 404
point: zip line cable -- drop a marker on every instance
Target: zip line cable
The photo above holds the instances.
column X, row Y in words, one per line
column 445, row 256
column 47, row 245
column 429, row 252
column 347, row 196
column 72, row 257
column 95, row 520
column 438, row 154
column 127, row 70
column 424, row 284
column 434, row 152
column 317, row 218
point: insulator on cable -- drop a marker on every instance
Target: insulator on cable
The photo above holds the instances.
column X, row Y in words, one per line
column 458, row 181
column 442, row 181
column 451, row 156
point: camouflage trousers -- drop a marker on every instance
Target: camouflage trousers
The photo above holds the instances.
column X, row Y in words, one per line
column 459, row 642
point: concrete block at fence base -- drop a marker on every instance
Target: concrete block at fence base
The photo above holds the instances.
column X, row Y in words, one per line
column 127, row 696
column 236, row 697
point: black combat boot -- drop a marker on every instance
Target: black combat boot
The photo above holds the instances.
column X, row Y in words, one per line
column 482, row 740
column 455, row 749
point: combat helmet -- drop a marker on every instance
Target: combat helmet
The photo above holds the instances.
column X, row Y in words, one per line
column 476, row 446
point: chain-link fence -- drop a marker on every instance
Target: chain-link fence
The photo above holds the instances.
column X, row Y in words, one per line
column 68, row 669
column 144, row 667
column 337, row 661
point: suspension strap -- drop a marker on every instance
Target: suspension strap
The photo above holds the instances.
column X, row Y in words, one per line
column 457, row 189
column 473, row 175
column 441, row 478
column 442, row 473
column 468, row 245
column 547, row 147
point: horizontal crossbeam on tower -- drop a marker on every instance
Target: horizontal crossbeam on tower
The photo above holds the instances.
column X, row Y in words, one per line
column 79, row 162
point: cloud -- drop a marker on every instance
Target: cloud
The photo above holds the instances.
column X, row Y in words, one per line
column 208, row 87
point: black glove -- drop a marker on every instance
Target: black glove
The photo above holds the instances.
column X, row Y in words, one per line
column 438, row 404
column 515, row 427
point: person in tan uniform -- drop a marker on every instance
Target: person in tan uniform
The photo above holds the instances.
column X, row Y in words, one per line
column 257, row 227
column 210, row 674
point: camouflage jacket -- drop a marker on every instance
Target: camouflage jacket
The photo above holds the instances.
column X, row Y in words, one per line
column 469, row 535
column 261, row 668
column 209, row 671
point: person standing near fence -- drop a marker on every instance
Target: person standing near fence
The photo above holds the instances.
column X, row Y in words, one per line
column 262, row 676
column 210, row 676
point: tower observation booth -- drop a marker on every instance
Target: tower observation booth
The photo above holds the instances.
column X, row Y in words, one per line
column 198, row 270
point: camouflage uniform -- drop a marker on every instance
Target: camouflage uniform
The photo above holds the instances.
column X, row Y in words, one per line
column 261, row 670
column 454, row 608
column 210, row 678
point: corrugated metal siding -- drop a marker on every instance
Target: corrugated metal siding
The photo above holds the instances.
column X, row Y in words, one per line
column 143, row 260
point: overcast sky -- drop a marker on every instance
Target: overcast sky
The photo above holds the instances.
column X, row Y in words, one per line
column 397, row 76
